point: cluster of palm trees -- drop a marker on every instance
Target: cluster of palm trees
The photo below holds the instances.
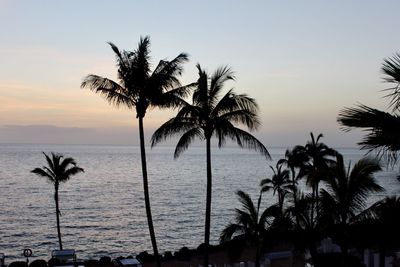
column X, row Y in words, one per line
column 331, row 204
column 211, row 112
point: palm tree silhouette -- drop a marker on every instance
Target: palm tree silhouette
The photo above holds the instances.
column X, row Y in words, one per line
column 294, row 159
column 211, row 115
column 250, row 222
column 140, row 88
column 58, row 170
column 279, row 184
column 317, row 168
column 347, row 191
column 382, row 128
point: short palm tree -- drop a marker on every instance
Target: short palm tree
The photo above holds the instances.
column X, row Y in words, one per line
column 212, row 115
column 317, row 168
column 294, row 159
column 58, row 170
column 347, row 191
column 279, row 184
column 140, row 88
column 383, row 128
column 250, row 222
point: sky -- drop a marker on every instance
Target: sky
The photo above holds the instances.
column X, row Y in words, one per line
column 303, row 61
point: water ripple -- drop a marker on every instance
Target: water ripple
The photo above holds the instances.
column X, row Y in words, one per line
column 103, row 209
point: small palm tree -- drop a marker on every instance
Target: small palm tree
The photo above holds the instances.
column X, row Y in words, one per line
column 347, row 191
column 295, row 159
column 383, row 131
column 250, row 222
column 279, row 184
column 317, row 168
column 211, row 115
column 58, row 170
column 139, row 89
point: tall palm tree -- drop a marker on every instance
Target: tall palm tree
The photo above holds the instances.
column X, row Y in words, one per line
column 250, row 222
column 279, row 184
column 383, row 128
column 140, row 88
column 58, row 170
column 347, row 191
column 211, row 115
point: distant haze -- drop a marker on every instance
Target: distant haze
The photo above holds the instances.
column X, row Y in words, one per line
column 47, row 134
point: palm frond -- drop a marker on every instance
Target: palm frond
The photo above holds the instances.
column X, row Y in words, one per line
column 391, row 68
column 186, row 139
column 140, row 63
column 43, row 173
column 65, row 162
column 110, row 90
column 49, row 160
column 173, row 98
column 366, row 117
column 247, row 204
column 239, row 109
column 200, row 95
column 242, row 138
column 383, row 129
column 165, row 78
column 229, row 231
column 70, row 172
column 170, row 128
column 181, row 92
column 218, row 78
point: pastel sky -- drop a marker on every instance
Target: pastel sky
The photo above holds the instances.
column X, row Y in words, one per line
column 302, row 61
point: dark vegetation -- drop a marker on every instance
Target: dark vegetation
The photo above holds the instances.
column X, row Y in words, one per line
column 334, row 202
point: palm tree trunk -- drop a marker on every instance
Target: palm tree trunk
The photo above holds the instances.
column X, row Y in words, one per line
column 208, row 203
column 280, row 200
column 317, row 200
column 295, row 197
column 146, row 192
column 58, row 216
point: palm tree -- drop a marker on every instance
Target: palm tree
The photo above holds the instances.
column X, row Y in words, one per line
column 58, row 170
column 294, row 159
column 317, row 168
column 250, row 222
column 347, row 191
column 208, row 116
column 383, row 131
column 139, row 89
column 279, row 184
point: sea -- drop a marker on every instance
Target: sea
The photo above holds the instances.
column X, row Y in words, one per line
column 102, row 210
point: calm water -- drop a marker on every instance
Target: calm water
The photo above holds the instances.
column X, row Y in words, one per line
column 103, row 209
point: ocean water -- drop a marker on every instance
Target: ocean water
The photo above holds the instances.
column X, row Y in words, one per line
column 103, row 209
